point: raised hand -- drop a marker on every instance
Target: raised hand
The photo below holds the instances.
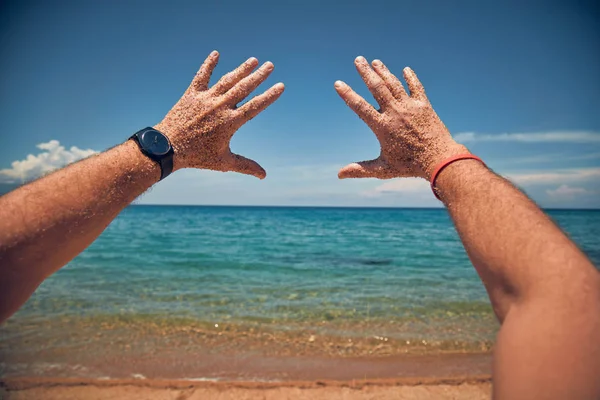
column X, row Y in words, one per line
column 412, row 137
column 202, row 123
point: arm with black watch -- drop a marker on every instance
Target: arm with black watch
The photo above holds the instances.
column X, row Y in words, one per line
column 156, row 146
column 45, row 223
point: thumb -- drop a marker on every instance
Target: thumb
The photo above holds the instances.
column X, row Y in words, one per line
column 247, row 166
column 364, row 169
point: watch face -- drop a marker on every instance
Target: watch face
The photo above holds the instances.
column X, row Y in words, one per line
column 155, row 143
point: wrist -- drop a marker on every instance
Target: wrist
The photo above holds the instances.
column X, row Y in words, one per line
column 138, row 163
column 441, row 153
column 456, row 180
column 169, row 133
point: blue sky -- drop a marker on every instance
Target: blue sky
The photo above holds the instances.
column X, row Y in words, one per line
column 519, row 84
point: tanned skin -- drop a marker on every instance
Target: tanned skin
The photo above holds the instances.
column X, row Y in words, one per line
column 544, row 290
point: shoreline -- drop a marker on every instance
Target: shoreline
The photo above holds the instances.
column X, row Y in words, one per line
column 252, row 367
column 26, row 383
column 226, row 355
column 465, row 387
column 132, row 336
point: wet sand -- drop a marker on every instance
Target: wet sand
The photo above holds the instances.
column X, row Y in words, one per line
column 241, row 365
column 155, row 360
column 473, row 388
column 166, row 362
column 249, row 376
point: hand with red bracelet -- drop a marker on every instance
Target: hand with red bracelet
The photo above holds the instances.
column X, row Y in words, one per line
column 413, row 139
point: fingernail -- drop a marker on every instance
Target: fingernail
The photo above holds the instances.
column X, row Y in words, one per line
column 252, row 60
column 279, row 86
column 360, row 59
column 213, row 53
column 377, row 63
column 268, row 65
column 338, row 84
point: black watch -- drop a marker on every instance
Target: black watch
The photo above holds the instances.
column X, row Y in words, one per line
column 157, row 147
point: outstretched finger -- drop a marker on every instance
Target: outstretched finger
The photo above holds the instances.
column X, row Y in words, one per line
column 417, row 91
column 246, row 166
column 233, row 77
column 360, row 106
column 364, row 169
column 200, row 81
column 244, row 87
column 255, row 106
column 392, row 82
column 376, row 85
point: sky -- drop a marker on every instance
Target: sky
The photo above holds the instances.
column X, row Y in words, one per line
column 517, row 82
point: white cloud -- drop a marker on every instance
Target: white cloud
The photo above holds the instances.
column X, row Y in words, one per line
column 535, row 137
column 566, row 192
column 52, row 157
column 412, row 186
column 550, row 158
column 556, row 186
column 405, row 185
column 417, row 191
column 555, row 177
column 310, row 173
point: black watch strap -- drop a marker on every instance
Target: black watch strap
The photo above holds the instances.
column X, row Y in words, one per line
column 164, row 160
column 166, row 165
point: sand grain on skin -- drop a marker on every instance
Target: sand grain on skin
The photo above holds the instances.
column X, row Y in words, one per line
column 412, row 137
column 202, row 123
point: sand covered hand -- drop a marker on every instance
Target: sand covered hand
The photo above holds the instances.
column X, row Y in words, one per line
column 202, row 123
column 412, row 137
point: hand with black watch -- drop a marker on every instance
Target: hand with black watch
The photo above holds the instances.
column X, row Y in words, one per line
column 197, row 131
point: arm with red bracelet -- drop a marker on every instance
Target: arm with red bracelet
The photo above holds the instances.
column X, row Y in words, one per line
column 544, row 290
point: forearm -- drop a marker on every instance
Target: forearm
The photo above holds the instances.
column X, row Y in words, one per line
column 544, row 290
column 45, row 224
column 517, row 250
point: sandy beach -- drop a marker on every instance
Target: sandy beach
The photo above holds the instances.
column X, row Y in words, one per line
column 409, row 388
column 248, row 376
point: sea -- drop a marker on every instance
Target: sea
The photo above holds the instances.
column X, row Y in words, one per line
column 187, row 280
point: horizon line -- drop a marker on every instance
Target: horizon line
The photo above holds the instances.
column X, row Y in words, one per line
column 322, row 206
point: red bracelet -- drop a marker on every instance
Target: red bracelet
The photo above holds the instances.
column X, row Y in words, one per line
column 447, row 162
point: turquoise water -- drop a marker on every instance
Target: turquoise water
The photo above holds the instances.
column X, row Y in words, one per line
column 343, row 272
column 266, row 264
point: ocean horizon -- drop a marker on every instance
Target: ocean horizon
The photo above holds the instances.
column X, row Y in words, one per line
column 441, row 207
